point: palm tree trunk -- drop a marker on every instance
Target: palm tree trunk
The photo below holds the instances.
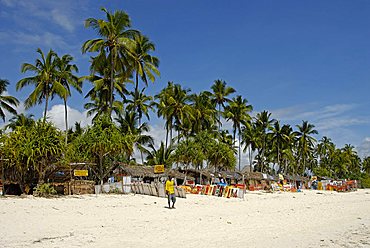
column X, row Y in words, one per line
column 167, row 136
column 66, row 120
column 137, row 83
column 239, row 150
column 46, row 106
column 219, row 117
column 111, row 81
column 2, row 176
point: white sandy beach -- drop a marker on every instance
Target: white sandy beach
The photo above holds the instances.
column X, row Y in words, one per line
column 307, row 219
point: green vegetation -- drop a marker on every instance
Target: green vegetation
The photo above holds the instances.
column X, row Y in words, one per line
column 45, row 190
column 122, row 65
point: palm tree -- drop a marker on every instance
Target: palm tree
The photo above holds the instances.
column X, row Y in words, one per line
column 237, row 111
column 262, row 124
column 174, row 106
column 162, row 155
column 220, row 93
column 45, row 80
column 163, row 108
column 144, row 64
column 280, row 139
column 128, row 125
column 203, row 112
column 66, row 77
column 19, row 121
column 6, row 102
column 114, row 41
column 250, row 139
column 305, row 144
column 140, row 103
column 101, row 92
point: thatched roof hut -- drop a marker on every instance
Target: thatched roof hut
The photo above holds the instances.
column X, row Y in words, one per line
column 148, row 171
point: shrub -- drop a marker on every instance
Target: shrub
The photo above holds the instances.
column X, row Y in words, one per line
column 365, row 181
column 45, row 190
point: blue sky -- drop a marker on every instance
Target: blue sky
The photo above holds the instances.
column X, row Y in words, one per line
column 300, row 60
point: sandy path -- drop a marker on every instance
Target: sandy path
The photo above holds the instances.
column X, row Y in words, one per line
column 307, row 219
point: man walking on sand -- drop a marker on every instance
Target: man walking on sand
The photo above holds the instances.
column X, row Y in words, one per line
column 170, row 191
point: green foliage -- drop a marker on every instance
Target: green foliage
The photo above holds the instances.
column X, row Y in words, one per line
column 365, row 180
column 36, row 147
column 103, row 143
column 44, row 190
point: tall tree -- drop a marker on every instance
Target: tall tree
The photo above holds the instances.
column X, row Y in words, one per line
column 66, row 76
column 140, row 103
column 305, row 144
column 45, row 80
column 128, row 124
column 7, row 103
column 220, row 93
column 263, row 122
column 115, row 37
column 144, row 64
column 237, row 111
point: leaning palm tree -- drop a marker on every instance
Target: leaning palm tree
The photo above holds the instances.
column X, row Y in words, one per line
column 45, row 80
column 237, row 111
column 114, row 41
column 6, row 102
column 66, row 77
column 220, row 93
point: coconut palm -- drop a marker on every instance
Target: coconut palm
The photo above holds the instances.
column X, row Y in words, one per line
column 163, row 108
column 305, row 144
column 115, row 40
column 128, row 124
column 280, row 139
column 20, row 120
column 250, row 140
column 140, row 103
column 45, row 80
column 203, row 111
column 161, row 155
column 144, row 64
column 262, row 124
column 237, row 111
column 65, row 76
column 220, row 93
column 7, row 103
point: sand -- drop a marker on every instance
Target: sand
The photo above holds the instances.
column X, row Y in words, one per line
column 306, row 219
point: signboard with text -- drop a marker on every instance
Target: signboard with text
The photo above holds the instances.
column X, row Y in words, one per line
column 159, row 168
column 80, row 173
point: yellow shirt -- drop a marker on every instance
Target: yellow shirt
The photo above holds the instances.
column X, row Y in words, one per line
column 170, row 187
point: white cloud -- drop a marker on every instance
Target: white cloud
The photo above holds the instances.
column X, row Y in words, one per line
column 62, row 20
column 62, row 13
column 56, row 115
column 46, row 39
column 364, row 148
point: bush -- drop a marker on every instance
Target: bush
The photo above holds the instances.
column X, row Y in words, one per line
column 365, row 181
column 44, row 190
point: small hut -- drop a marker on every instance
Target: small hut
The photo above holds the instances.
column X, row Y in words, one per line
column 76, row 178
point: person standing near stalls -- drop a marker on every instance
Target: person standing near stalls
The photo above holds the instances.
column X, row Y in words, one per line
column 170, row 192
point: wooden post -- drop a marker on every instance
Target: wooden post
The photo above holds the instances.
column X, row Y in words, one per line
column 2, row 177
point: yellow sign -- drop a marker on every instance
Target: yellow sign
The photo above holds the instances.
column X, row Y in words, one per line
column 80, row 173
column 159, row 168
